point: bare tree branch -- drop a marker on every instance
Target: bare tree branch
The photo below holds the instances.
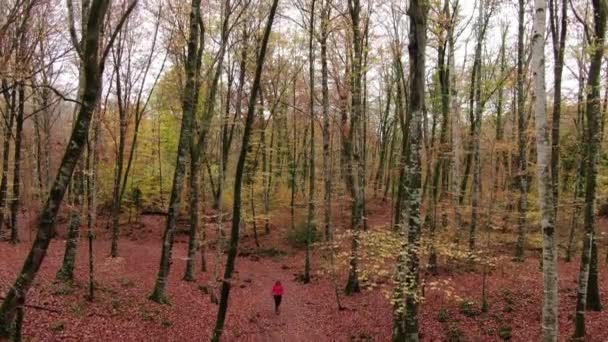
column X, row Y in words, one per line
column 122, row 21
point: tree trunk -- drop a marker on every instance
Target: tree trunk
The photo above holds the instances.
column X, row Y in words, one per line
column 293, row 167
column 267, row 172
column 594, row 302
column 91, row 87
column 501, row 158
column 559, row 46
column 66, row 272
column 476, row 192
column 405, row 122
column 38, row 155
column 579, row 186
column 356, row 167
column 228, row 134
column 327, row 174
column 194, row 212
column 522, row 175
column 161, row 191
column 362, row 153
column 390, row 170
column 439, row 168
column 120, row 154
column 545, row 193
column 8, row 131
column 468, row 161
column 92, row 165
column 196, row 146
column 585, row 299
column 252, row 205
column 310, row 222
column 210, row 100
column 47, row 128
column 384, row 137
column 236, row 210
column 15, row 201
column 405, row 325
column 456, row 141
column 189, row 108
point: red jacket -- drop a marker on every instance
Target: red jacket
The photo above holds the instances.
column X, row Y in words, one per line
column 277, row 290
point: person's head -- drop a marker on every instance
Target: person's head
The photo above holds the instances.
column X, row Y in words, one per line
column 277, row 283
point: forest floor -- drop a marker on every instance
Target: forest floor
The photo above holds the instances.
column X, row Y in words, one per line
column 122, row 312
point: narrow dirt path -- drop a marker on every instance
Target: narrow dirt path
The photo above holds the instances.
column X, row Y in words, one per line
column 297, row 308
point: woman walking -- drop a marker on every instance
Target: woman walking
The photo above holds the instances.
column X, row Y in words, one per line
column 277, row 293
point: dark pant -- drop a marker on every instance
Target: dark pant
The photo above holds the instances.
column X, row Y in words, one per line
column 277, row 301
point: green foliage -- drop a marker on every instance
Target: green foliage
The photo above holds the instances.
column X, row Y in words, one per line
column 58, row 326
column 271, row 252
column 126, row 283
column 485, row 306
column 166, row 323
column 156, row 147
column 361, row 337
column 78, row 308
column 507, row 295
column 443, row 315
column 454, row 334
column 136, row 198
column 570, row 152
column 146, row 166
column 63, row 289
column 504, row 332
column 468, row 307
column 116, row 303
column 298, row 236
column 535, row 241
column 445, row 286
column 204, row 289
column 147, row 315
column 377, row 252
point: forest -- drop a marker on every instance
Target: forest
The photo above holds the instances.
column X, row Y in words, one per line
column 306, row 170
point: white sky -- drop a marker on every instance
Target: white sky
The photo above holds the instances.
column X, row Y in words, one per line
column 507, row 14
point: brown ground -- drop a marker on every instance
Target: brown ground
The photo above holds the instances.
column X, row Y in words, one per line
column 121, row 311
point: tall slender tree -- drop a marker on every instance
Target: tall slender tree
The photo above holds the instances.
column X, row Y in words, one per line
column 355, row 138
column 545, row 184
column 93, row 56
column 15, row 201
column 442, row 157
column 558, row 23
column 189, row 108
column 522, row 160
column 579, row 123
column 10, row 97
column 405, row 325
column 456, row 139
column 596, row 37
column 476, row 124
column 66, row 272
column 236, row 208
column 310, row 223
column 198, row 143
column 131, row 80
column 327, row 174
